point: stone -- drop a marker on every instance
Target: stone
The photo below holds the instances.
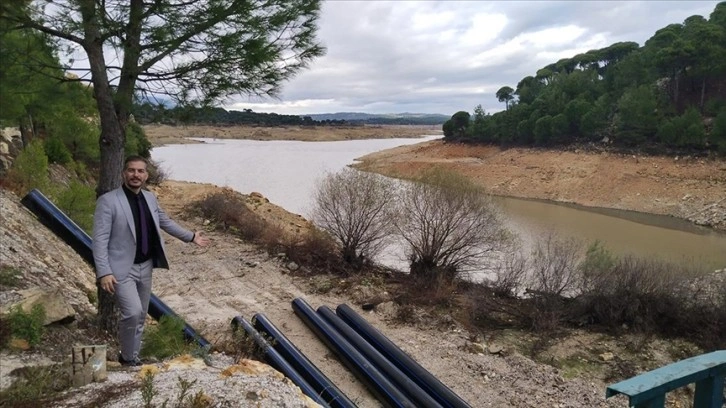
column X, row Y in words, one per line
column 607, row 356
column 495, row 349
column 57, row 309
column 475, row 348
column 19, row 344
column 88, row 364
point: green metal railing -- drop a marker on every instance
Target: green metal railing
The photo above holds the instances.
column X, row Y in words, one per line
column 648, row 390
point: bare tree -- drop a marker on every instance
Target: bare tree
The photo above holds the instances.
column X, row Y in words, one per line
column 555, row 266
column 448, row 224
column 356, row 208
column 509, row 273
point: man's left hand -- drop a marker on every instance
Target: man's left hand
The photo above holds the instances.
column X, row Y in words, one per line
column 200, row 239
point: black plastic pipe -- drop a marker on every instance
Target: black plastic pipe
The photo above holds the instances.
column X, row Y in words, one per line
column 53, row 218
column 386, row 392
column 67, row 230
column 322, row 385
column 398, row 377
column 276, row 360
column 420, row 375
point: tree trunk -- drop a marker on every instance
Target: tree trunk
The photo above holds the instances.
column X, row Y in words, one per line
column 26, row 133
column 111, row 142
column 703, row 94
column 675, row 92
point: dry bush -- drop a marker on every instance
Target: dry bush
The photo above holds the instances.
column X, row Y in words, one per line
column 555, row 267
column 317, row 251
column 634, row 292
column 157, row 175
column 555, row 277
column 448, row 225
column 356, row 208
column 652, row 296
column 407, row 314
column 231, row 214
column 510, row 274
column 429, row 290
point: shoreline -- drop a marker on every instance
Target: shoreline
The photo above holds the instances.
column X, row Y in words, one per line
column 690, row 189
column 679, row 224
column 160, row 135
column 686, row 188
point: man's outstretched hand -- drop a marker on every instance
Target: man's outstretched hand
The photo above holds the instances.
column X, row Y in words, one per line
column 200, row 239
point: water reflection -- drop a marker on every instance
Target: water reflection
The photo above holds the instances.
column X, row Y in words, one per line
column 286, row 172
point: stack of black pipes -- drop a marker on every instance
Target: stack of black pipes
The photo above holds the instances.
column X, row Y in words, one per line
column 393, row 377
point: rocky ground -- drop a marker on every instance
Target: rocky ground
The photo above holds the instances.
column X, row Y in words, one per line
column 209, row 286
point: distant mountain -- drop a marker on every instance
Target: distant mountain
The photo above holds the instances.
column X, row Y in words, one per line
column 405, row 118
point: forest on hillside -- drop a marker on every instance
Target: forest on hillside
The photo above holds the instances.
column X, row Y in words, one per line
column 146, row 113
column 668, row 95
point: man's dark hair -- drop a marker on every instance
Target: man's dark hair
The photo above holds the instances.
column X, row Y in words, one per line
column 135, row 158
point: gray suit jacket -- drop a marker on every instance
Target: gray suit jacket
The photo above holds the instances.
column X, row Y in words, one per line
column 114, row 233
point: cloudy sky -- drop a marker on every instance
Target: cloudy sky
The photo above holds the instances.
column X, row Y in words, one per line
column 446, row 56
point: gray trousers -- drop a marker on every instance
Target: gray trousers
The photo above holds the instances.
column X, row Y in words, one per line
column 132, row 299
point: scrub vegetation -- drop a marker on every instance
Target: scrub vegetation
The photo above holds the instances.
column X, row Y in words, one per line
column 449, row 228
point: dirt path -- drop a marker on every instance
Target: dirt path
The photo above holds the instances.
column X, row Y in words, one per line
column 684, row 187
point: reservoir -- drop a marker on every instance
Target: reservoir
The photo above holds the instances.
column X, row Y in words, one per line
column 286, row 172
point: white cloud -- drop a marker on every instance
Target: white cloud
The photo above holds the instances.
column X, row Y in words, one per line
column 446, row 56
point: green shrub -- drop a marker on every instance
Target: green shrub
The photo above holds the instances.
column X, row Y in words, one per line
column 136, row 141
column 9, row 276
column 718, row 133
column 183, row 400
column 36, row 384
column 598, row 262
column 28, row 325
column 165, row 339
column 30, row 169
column 5, row 332
column 56, row 151
column 78, row 202
column 713, row 106
column 78, row 135
column 683, row 131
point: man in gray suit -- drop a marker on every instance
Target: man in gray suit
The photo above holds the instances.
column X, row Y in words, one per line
column 127, row 244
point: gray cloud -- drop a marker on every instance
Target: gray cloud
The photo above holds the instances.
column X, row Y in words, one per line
column 446, row 56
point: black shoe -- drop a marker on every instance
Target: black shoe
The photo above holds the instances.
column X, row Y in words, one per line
column 136, row 362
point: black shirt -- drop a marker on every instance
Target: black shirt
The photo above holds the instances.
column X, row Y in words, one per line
column 151, row 233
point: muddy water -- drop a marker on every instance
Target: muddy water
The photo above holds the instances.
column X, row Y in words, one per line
column 286, row 172
column 623, row 232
